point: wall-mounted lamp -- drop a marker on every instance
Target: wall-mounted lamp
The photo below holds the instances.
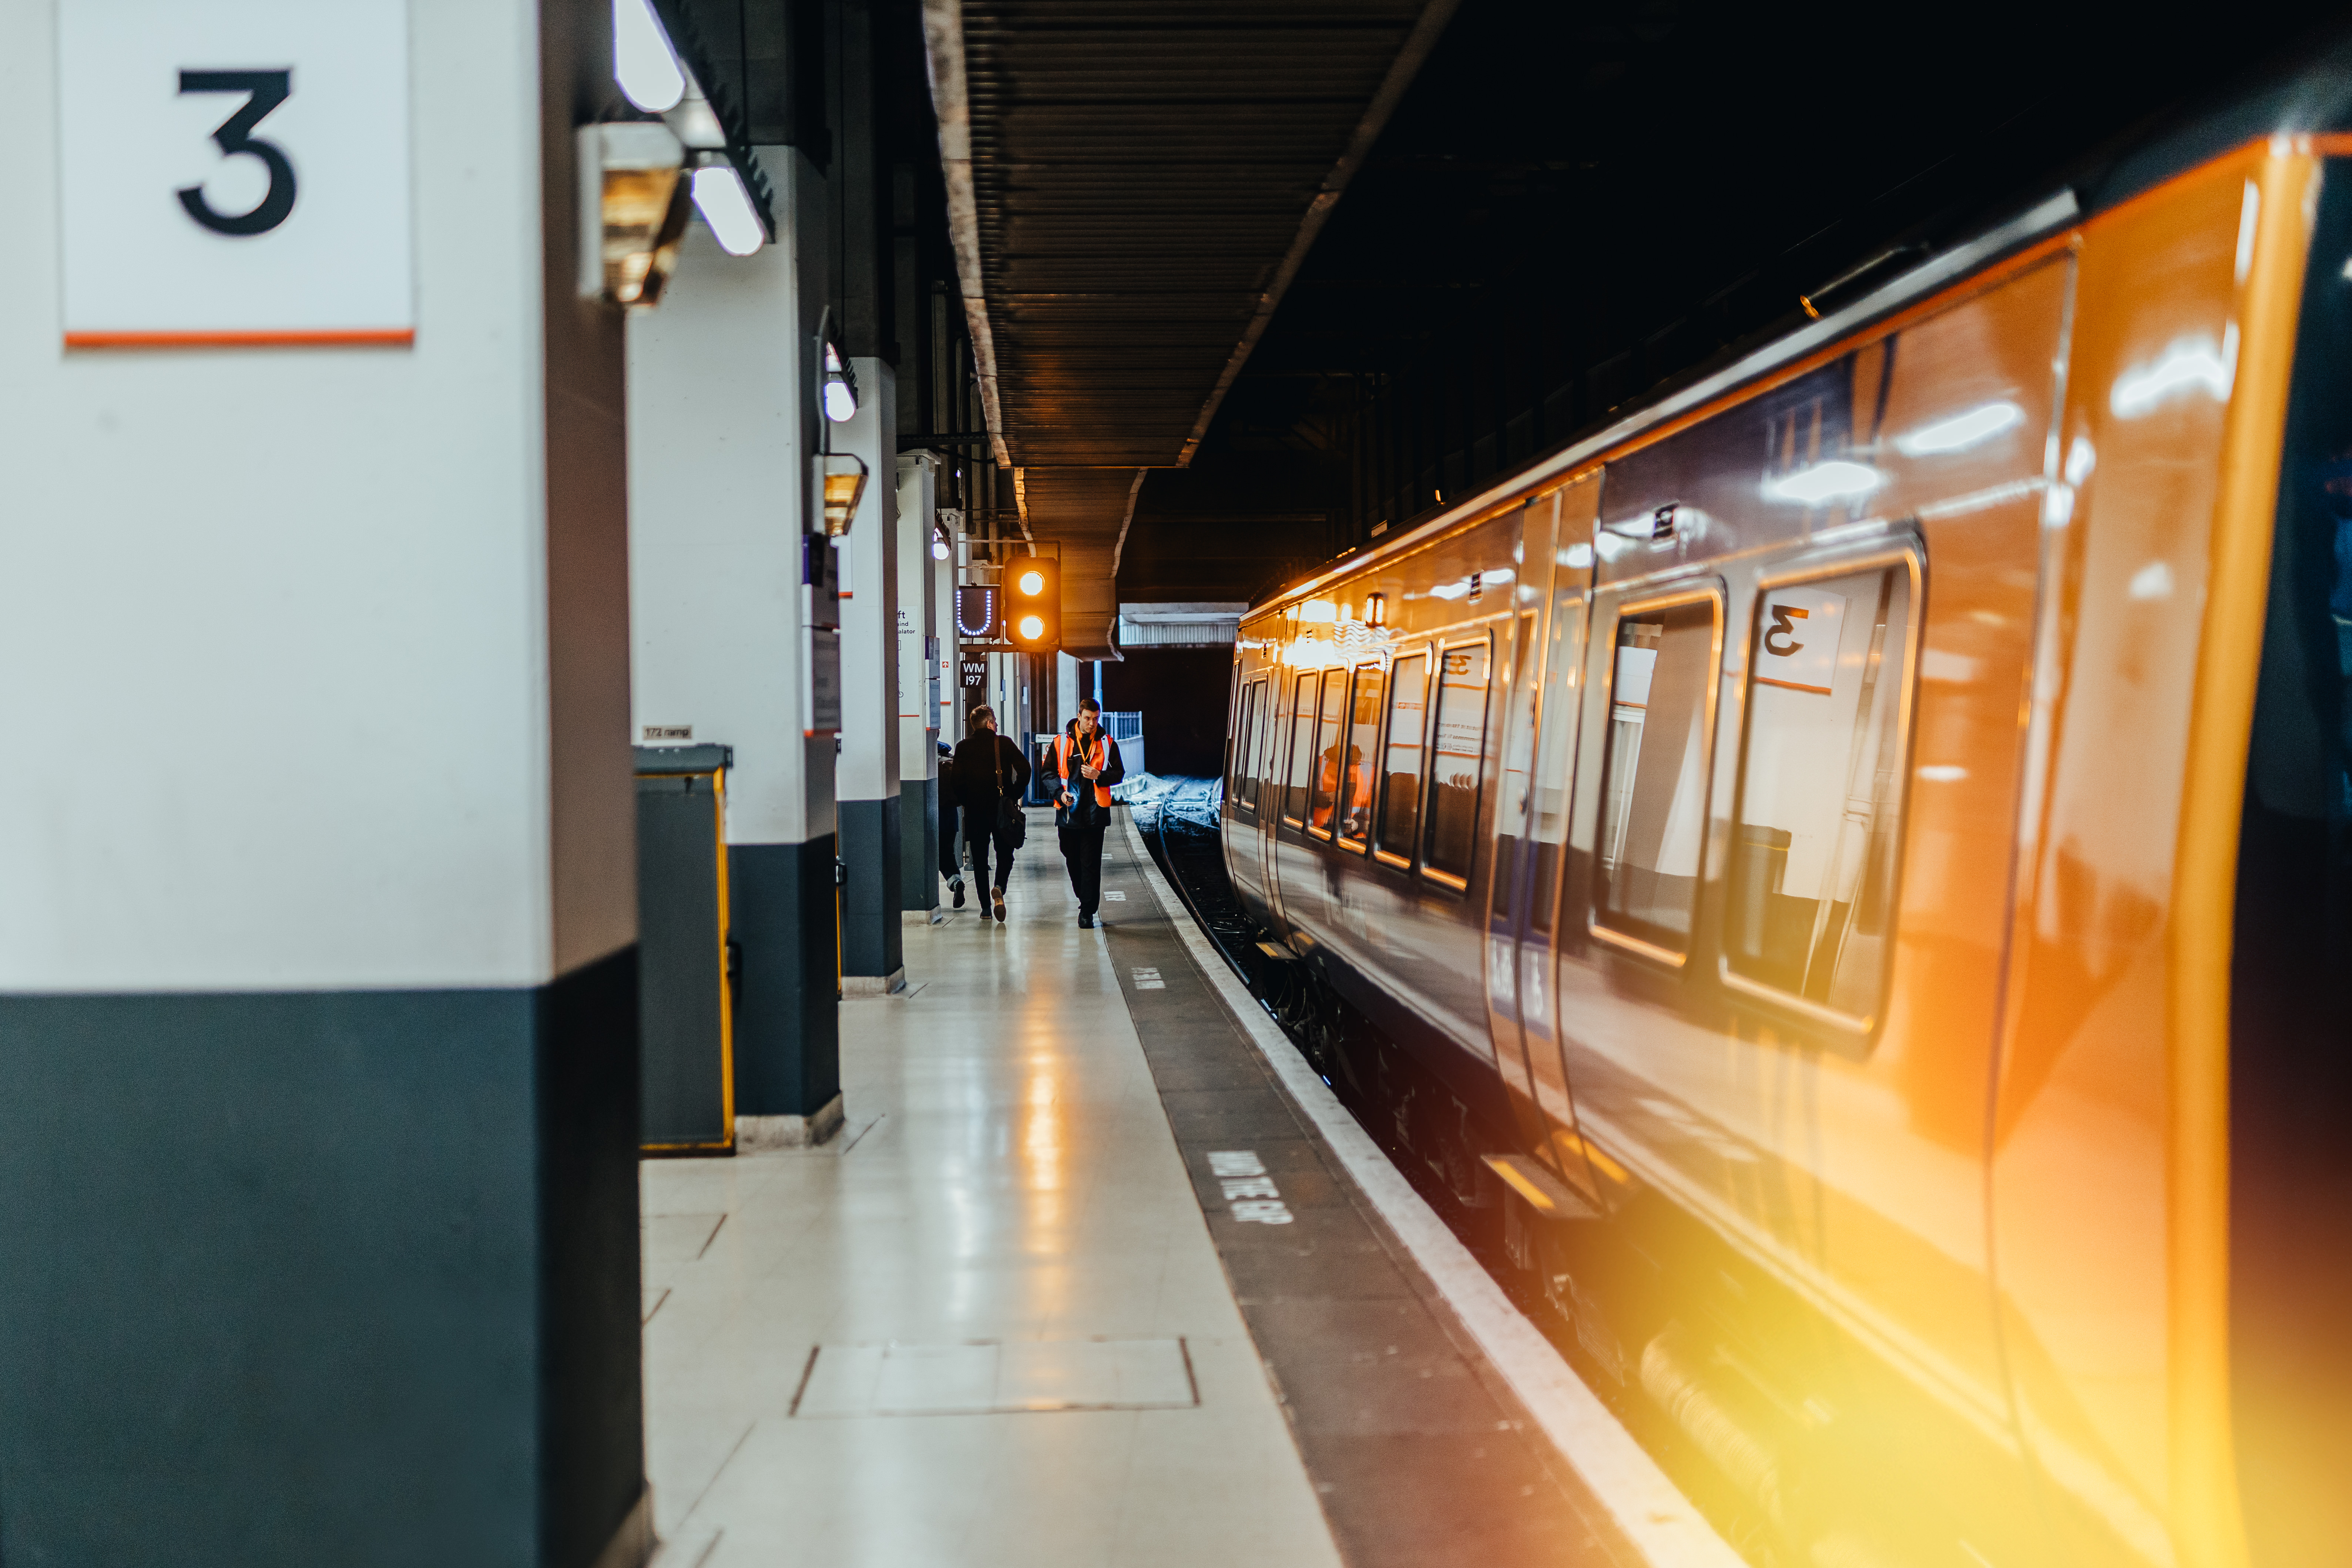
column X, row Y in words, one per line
column 633, row 210
column 644, row 64
column 1376, row 609
column 940, row 549
column 843, row 476
column 840, row 388
column 726, row 207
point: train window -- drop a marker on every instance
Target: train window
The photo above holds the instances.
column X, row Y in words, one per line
column 1654, row 792
column 1456, row 762
column 1362, row 746
column 1302, row 750
column 1245, row 785
column 1401, row 763
column 1821, row 787
column 1329, row 763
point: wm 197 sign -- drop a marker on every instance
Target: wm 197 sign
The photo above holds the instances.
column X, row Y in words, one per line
column 235, row 172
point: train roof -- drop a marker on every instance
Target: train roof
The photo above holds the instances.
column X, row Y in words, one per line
column 2310, row 99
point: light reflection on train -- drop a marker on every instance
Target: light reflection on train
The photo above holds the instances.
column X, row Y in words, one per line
column 1787, row 852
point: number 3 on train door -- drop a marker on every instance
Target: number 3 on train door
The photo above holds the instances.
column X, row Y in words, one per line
column 1798, row 646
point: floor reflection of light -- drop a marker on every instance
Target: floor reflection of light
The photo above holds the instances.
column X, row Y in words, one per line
column 1044, row 1152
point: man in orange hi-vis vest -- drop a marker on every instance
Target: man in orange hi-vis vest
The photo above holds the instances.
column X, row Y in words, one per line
column 1088, row 761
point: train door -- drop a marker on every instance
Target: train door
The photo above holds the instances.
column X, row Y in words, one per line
column 1295, row 741
column 1557, row 713
column 1245, row 848
column 1304, row 867
column 1507, row 877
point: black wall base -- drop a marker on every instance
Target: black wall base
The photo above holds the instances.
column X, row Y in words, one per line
column 348, row 1277
column 918, row 843
column 871, row 943
column 787, row 1021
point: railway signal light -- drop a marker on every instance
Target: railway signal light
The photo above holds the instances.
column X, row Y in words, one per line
column 1033, row 605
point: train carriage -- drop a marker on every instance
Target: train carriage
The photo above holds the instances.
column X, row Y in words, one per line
column 1849, row 865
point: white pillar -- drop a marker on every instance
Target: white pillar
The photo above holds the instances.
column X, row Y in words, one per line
column 918, row 672
column 721, row 425
column 947, row 710
column 867, row 788
column 1065, row 690
column 317, row 935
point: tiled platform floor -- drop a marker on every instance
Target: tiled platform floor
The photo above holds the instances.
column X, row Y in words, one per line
column 1007, row 1173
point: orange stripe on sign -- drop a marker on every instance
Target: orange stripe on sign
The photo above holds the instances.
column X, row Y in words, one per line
column 1793, row 686
column 372, row 337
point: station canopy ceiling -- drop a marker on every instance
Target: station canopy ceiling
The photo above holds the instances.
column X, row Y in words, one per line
column 1131, row 186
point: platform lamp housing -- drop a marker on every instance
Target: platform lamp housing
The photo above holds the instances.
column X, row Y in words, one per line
column 1033, row 604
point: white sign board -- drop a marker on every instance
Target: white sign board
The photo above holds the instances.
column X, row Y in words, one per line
column 234, row 172
column 1797, row 641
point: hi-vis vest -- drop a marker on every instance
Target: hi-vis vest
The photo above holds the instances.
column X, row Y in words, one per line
column 1063, row 744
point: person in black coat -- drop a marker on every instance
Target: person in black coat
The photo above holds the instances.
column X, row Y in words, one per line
column 989, row 770
column 1088, row 761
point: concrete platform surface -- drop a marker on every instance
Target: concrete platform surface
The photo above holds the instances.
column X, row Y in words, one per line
column 987, row 1323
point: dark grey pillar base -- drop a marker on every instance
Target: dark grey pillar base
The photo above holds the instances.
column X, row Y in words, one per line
column 871, row 943
column 787, row 1014
column 918, row 845
column 332, row 1277
column 765, row 1134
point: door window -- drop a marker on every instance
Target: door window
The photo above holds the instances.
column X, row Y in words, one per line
column 1512, row 802
column 1556, row 755
column 1245, row 749
column 1457, row 761
column 1820, row 776
column 1302, row 750
column 1362, row 750
column 1654, row 799
column 1401, row 763
column 1329, row 761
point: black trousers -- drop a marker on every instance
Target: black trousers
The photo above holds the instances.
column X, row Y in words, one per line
column 951, row 853
column 979, row 831
column 1082, row 852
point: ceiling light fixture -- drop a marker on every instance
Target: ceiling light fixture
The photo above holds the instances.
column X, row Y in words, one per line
column 840, row 388
column 644, row 64
column 726, row 205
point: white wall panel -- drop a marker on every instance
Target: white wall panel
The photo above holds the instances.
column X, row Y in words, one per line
column 717, row 479
column 275, row 652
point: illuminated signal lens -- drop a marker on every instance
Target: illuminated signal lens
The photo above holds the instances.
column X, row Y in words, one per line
column 1033, row 583
column 1032, row 627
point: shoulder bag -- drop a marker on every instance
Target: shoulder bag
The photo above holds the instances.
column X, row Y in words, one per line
column 1012, row 822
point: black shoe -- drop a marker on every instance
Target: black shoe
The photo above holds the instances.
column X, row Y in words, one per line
column 1086, row 921
column 956, row 884
column 998, row 894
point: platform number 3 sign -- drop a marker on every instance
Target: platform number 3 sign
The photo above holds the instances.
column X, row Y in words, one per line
column 235, row 173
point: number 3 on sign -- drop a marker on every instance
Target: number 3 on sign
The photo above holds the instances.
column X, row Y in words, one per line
column 265, row 90
column 235, row 173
